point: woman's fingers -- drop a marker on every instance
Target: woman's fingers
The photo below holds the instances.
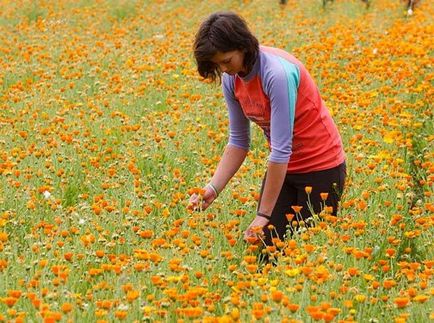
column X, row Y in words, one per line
column 194, row 198
column 197, row 202
column 250, row 236
column 254, row 231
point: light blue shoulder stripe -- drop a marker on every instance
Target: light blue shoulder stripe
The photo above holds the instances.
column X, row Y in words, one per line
column 293, row 80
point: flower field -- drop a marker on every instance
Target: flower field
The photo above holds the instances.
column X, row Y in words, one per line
column 106, row 129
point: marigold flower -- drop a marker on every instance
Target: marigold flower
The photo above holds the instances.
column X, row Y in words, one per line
column 251, row 268
column 258, row 314
column 68, row 256
column 121, row 315
column 15, row 293
column 277, row 296
column 317, row 316
column 388, row 284
column 401, row 302
column 66, row 307
column 360, row 298
column 132, row 295
column 9, row 301
column 421, row 298
column 353, row 271
column 390, row 252
column 146, row 234
column 293, row 307
column 250, row 259
column 3, row 236
column 296, row 208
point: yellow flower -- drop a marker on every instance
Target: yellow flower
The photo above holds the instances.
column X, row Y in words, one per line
column 292, row 272
column 360, row 298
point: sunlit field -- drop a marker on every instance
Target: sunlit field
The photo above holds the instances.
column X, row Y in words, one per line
column 106, row 129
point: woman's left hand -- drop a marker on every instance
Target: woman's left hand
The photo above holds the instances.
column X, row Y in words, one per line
column 255, row 230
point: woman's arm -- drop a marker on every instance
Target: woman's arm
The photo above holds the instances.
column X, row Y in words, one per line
column 239, row 138
column 273, row 184
column 235, row 152
column 231, row 161
column 233, row 157
column 281, row 87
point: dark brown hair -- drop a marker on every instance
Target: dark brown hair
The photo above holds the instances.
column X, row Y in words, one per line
column 223, row 32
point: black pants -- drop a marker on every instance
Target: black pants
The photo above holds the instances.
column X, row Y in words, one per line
column 293, row 193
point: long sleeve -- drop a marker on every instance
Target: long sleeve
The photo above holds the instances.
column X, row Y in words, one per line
column 239, row 125
column 281, row 85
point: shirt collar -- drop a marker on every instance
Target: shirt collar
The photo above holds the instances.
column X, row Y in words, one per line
column 254, row 70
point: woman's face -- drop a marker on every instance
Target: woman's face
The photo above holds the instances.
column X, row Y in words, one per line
column 230, row 62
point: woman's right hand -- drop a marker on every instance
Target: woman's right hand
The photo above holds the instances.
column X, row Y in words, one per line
column 201, row 202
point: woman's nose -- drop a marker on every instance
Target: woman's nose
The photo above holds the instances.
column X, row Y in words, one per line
column 223, row 68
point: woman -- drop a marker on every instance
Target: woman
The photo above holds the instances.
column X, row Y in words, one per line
column 273, row 89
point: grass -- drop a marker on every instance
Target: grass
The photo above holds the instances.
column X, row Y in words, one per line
column 101, row 106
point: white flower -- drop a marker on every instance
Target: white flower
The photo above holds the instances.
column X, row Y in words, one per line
column 46, row 195
column 375, row 51
column 81, row 221
column 409, row 12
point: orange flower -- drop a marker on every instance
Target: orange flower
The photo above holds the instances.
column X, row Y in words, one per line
column 190, row 312
column 68, row 256
column 361, row 205
column 251, row 268
column 390, row 252
column 258, row 313
column 401, row 302
column 66, row 307
column 146, row 234
column 250, row 259
column 132, row 295
column 388, row 284
column 317, row 316
column 334, row 311
column 140, row 267
column 324, row 196
column 308, row 189
column 277, row 296
column 353, row 271
column 3, row 236
column 105, row 304
column 10, row 301
column 121, row 315
column 421, row 298
column 14, row 293
column 395, row 219
column 296, row 208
